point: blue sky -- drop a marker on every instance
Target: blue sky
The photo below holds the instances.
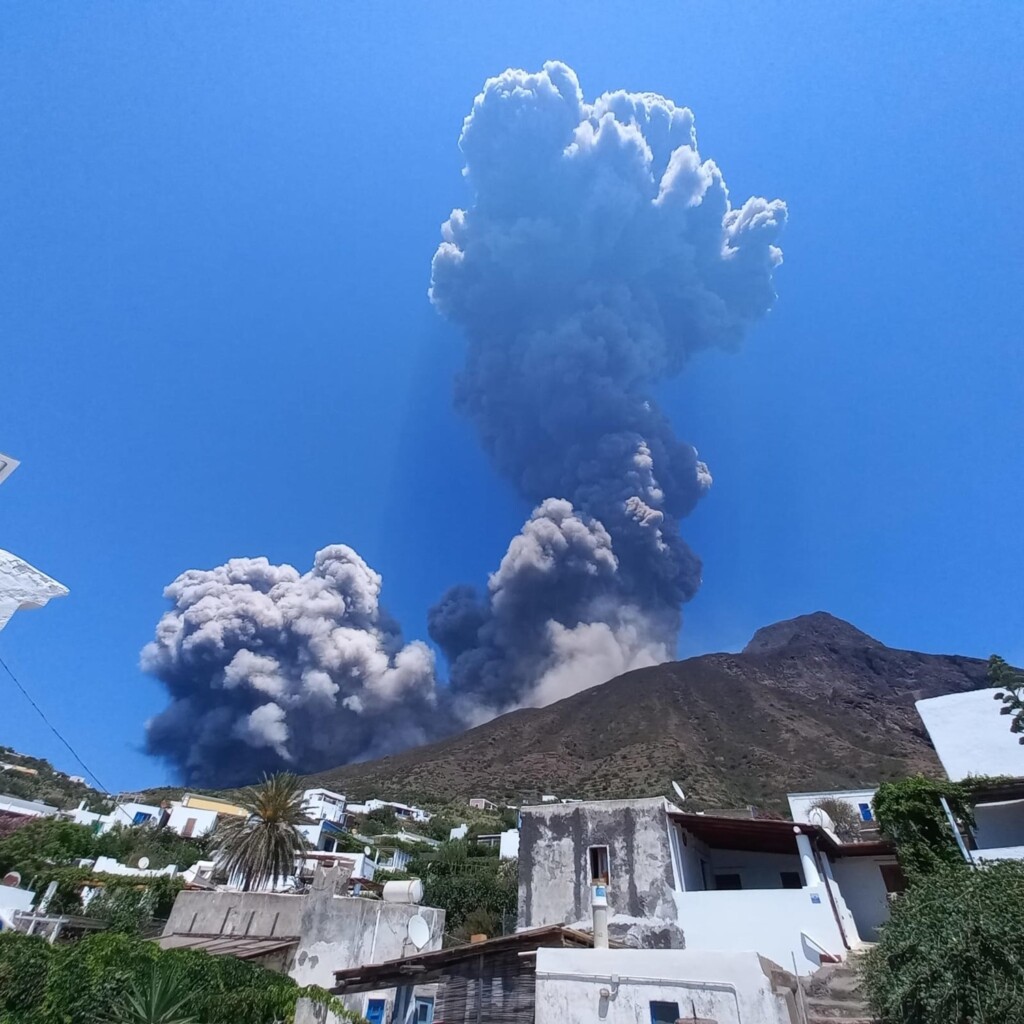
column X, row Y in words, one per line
column 216, row 224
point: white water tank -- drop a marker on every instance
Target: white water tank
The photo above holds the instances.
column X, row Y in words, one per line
column 410, row 891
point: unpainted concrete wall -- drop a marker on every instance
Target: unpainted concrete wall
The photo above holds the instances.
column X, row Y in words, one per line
column 554, row 870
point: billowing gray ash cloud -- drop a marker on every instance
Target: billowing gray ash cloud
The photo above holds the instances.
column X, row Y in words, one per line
column 268, row 668
column 598, row 253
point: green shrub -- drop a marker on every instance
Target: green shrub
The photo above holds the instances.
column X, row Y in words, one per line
column 953, row 950
column 910, row 813
column 92, row 982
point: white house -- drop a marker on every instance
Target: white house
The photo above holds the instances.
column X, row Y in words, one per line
column 403, row 811
column 971, row 737
column 26, row 808
column 323, row 805
column 791, row 892
column 801, row 805
column 126, row 813
column 195, row 815
column 623, row 986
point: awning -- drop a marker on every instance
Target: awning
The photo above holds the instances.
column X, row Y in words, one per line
column 242, row 947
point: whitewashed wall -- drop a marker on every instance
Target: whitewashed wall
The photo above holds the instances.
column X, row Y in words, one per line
column 766, row 921
column 800, row 804
column 727, row 988
column 860, row 880
column 970, row 736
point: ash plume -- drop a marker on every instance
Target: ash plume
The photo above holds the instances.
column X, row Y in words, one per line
column 268, row 668
column 599, row 251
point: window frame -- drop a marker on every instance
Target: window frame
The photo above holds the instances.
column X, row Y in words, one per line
column 602, row 851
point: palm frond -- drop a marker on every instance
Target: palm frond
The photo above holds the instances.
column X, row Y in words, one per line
column 264, row 846
column 159, row 998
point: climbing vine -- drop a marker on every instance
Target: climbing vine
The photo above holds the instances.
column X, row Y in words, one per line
column 910, row 813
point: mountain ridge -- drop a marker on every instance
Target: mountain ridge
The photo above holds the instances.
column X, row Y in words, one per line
column 810, row 703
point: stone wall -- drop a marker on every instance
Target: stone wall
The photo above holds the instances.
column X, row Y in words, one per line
column 554, row 869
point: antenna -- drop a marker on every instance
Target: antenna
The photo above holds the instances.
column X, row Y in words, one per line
column 367, row 851
column 419, row 931
column 679, row 791
column 13, row 879
column 143, row 863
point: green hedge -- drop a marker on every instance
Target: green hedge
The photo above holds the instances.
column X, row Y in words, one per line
column 88, row 982
column 953, row 950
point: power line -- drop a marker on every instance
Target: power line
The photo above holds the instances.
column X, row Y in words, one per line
column 53, row 728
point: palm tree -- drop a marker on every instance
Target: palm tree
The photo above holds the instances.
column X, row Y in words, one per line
column 160, row 998
column 263, row 846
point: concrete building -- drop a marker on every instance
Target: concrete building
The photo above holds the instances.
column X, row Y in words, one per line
column 972, row 738
column 308, row 937
column 483, row 804
column 125, row 813
column 802, row 805
column 491, row 981
column 324, row 805
column 26, row 808
column 402, row 811
column 701, row 882
column 506, row 843
column 627, row 986
column 195, row 815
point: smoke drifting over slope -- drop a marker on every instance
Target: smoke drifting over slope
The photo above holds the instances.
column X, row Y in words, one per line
column 597, row 253
column 268, row 668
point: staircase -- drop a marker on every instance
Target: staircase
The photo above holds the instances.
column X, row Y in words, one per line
column 834, row 995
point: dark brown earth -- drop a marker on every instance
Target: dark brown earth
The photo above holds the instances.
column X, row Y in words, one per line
column 811, row 703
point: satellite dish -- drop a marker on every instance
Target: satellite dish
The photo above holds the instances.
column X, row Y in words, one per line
column 679, row 791
column 143, row 863
column 419, row 931
column 13, row 879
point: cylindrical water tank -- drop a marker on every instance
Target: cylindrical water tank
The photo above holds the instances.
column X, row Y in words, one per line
column 403, row 892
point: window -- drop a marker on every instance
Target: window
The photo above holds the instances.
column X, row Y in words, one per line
column 664, row 1013
column 141, row 817
column 424, row 1010
column 893, row 877
column 190, row 827
column 374, row 1011
column 791, row 880
column 731, row 880
column 865, row 812
column 599, row 864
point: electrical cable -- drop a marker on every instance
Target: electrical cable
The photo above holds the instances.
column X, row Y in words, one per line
column 53, row 728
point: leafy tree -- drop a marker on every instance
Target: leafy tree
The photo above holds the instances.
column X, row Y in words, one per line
column 910, row 813
column 953, row 950
column 844, row 817
column 265, row 845
column 129, row 843
column 469, row 883
column 44, row 842
column 1009, row 682
column 96, row 981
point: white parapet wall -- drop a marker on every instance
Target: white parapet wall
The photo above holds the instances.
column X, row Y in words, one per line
column 970, row 736
column 619, row 986
column 792, row 927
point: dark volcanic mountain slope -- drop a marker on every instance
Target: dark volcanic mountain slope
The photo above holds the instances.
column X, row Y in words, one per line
column 811, row 703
